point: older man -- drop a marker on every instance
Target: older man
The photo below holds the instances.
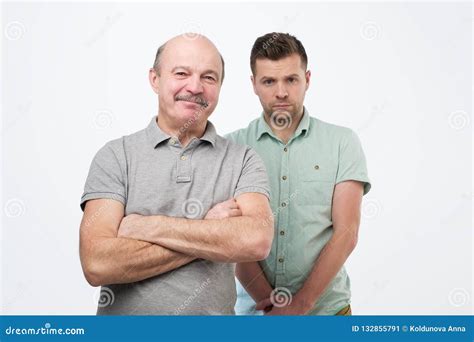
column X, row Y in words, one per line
column 317, row 177
column 169, row 209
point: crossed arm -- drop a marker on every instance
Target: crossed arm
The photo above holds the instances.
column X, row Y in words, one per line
column 115, row 249
column 346, row 218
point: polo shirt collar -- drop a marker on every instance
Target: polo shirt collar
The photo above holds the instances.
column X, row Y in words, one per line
column 210, row 134
column 157, row 136
column 303, row 126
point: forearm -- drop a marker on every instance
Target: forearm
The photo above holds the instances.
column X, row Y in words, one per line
column 122, row 260
column 235, row 239
column 330, row 261
column 346, row 219
column 253, row 279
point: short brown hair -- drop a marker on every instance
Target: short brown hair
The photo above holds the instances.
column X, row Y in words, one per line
column 275, row 46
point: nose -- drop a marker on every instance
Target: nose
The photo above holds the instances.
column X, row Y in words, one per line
column 194, row 85
column 281, row 93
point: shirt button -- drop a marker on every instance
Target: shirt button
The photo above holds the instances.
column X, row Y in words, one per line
column 183, row 157
column 172, row 141
column 316, row 167
column 284, row 177
column 281, row 260
column 283, row 204
column 285, row 149
column 282, row 232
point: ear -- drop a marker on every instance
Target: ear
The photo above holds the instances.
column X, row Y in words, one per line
column 252, row 79
column 307, row 76
column 154, row 78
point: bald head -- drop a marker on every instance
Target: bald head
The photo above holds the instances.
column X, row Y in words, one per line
column 193, row 41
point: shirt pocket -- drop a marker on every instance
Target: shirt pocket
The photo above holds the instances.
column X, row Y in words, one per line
column 316, row 185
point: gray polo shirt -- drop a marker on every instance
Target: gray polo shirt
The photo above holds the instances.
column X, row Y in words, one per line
column 152, row 174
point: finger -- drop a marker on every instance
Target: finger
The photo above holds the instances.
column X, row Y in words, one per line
column 232, row 204
column 226, row 203
column 235, row 212
column 261, row 305
column 270, row 312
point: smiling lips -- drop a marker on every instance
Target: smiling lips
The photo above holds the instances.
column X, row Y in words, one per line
column 192, row 99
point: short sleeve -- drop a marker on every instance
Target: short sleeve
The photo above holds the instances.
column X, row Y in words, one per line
column 253, row 177
column 106, row 178
column 352, row 163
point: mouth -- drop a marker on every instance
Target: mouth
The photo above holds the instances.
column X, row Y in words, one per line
column 281, row 105
column 190, row 104
column 192, row 100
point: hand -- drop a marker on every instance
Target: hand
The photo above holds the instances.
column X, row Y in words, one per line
column 289, row 310
column 129, row 225
column 297, row 306
column 265, row 304
column 223, row 210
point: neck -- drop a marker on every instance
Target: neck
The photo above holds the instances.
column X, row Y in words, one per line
column 183, row 131
column 281, row 131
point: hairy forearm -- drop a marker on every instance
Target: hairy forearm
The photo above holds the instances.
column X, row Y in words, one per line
column 235, row 239
column 253, row 279
column 122, row 260
column 331, row 259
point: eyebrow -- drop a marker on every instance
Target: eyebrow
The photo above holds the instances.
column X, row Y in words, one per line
column 180, row 67
column 272, row 78
column 208, row 71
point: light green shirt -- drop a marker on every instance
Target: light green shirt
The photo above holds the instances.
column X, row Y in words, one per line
column 303, row 174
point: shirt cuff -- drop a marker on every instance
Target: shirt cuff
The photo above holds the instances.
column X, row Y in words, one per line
column 365, row 182
column 101, row 195
column 257, row 189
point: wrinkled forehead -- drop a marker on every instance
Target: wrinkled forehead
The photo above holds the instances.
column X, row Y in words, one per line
column 198, row 54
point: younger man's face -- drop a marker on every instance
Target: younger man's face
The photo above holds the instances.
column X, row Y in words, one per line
column 281, row 85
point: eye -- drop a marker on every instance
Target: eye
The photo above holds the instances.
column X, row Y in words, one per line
column 268, row 82
column 292, row 80
column 180, row 73
column 209, row 78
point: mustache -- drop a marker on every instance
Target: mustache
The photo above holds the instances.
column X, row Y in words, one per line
column 191, row 98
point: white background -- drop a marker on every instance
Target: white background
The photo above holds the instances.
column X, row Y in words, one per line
column 74, row 76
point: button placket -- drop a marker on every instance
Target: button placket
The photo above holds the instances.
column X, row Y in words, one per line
column 280, row 280
column 283, row 211
column 183, row 165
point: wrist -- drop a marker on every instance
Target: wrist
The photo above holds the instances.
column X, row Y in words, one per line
column 304, row 301
column 156, row 224
column 145, row 227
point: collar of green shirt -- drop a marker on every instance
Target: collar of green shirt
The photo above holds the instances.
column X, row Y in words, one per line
column 302, row 128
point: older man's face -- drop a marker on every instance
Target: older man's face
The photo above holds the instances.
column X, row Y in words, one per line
column 189, row 81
